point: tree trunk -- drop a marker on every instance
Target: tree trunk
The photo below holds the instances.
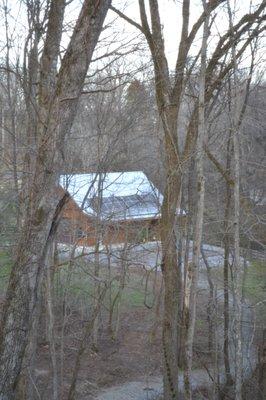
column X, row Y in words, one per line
column 42, row 207
column 189, row 220
column 172, row 277
column 116, row 302
column 237, row 277
column 191, row 296
column 98, row 237
column 226, row 311
column 83, row 344
column 50, row 321
column 237, row 280
column 21, row 301
column 211, row 304
column 262, row 368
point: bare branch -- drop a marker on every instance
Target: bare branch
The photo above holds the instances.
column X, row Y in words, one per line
column 126, row 18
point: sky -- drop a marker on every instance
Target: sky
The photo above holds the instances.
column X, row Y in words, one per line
column 120, row 30
column 171, row 15
column 171, row 19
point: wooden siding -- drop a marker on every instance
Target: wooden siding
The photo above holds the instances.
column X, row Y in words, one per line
column 77, row 227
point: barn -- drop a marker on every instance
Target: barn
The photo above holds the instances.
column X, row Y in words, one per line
column 109, row 208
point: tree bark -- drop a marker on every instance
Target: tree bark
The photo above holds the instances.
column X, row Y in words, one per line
column 83, row 344
column 50, row 320
column 191, row 296
column 262, row 368
column 42, row 206
column 171, row 276
column 237, row 280
column 226, row 269
column 169, row 92
column 98, row 237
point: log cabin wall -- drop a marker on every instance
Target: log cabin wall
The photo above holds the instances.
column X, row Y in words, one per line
column 77, row 227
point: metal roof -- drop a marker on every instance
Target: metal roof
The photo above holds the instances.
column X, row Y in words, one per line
column 116, row 195
column 128, row 207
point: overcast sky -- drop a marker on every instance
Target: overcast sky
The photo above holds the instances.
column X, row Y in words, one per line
column 171, row 18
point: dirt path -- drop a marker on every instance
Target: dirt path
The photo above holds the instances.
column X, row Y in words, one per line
column 149, row 388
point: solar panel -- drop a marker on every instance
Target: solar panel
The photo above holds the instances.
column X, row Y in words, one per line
column 125, row 195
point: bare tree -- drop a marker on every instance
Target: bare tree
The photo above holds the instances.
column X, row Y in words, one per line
column 169, row 94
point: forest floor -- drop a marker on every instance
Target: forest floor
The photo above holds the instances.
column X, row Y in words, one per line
column 128, row 367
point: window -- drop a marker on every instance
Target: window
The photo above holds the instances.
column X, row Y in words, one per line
column 80, row 233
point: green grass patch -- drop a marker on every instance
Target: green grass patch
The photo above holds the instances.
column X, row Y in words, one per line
column 5, row 269
column 80, row 285
column 255, row 284
column 134, row 297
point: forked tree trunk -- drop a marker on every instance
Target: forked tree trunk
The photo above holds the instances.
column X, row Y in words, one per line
column 169, row 92
column 42, row 208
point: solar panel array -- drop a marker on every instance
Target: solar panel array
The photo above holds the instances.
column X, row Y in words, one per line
column 127, row 207
column 124, row 195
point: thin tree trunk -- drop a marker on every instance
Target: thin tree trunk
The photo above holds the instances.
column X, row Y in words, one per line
column 83, row 344
column 50, row 322
column 262, row 368
column 189, row 221
column 64, row 312
column 12, row 115
column 98, row 237
column 191, row 296
column 216, row 349
column 27, row 388
column 237, row 277
column 227, row 235
column 157, row 316
column 211, row 305
column 116, row 302
column 237, row 280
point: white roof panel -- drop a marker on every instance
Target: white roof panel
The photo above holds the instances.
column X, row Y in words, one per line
column 86, row 187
